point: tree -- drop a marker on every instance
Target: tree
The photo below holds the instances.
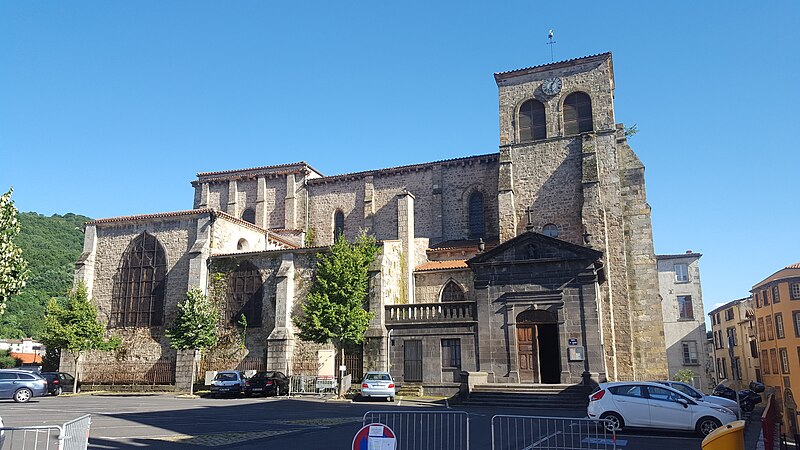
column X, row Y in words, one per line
column 334, row 310
column 7, row 361
column 72, row 324
column 685, row 375
column 13, row 268
column 195, row 327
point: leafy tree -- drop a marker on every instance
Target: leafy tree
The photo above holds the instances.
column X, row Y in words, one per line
column 334, row 310
column 72, row 324
column 7, row 361
column 685, row 375
column 13, row 268
column 195, row 327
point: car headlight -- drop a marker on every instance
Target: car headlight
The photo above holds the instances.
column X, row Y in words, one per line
column 723, row 410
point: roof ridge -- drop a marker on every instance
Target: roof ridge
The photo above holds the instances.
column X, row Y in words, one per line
column 554, row 63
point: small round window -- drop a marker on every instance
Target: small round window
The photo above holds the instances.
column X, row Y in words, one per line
column 550, row 230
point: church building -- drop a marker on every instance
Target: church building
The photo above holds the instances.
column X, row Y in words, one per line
column 531, row 263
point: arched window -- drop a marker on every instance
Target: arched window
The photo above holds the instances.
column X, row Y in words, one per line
column 245, row 293
column 452, row 292
column 550, row 230
column 338, row 224
column 243, row 245
column 249, row 215
column 531, row 121
column 137, row 299
column 477, row 227
column 577, row 113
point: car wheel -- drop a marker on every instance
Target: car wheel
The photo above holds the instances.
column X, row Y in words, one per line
column 23, row 395
column 248, row 394
column 58, row 391
column 391, row 399
column 706, row 425
column 614, row 421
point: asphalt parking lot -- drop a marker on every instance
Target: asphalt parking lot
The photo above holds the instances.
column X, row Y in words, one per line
column 169, row 422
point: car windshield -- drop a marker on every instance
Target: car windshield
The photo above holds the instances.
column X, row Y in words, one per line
column 686, row 390
column 225, row 377
column 378, row 377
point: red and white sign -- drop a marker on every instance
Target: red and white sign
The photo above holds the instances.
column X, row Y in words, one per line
column 375, row 436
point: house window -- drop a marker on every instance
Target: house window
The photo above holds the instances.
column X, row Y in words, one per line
column 776, row 295
column 681, row 273
column 729, row 314
column 795, row 290
column 762, row 336
column 722, row 368
column 753, row 349
column 338, row 224
column 784, row 361
column 765, row 362
column 689, row 352
column 770, row 329
column 477, row 227
column 244, row 296
column 550, row 230
column 764, row 298
column 249, row 215
column 577, row 113
column 719, row 339
column 717, row 315
column 137, row 298
column 713, row 319
column 796, row 321
column 779, row 326
column 532, row 123
column 451, row 353
column 773, row 356
column 685, row 307
column 731, row 333
column 758, row 300
column 736, row 369
column 452, row 292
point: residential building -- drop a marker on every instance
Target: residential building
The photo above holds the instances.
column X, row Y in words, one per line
column 684, row 320
column 736, row 356
column 777, row 313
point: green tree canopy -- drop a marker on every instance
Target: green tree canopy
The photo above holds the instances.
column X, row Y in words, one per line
column 72, row 324
column 195, row 327
column 334, row 309
column 13, row 268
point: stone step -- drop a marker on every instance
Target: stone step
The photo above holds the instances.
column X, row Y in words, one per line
column 410, row 390
column 530, row 396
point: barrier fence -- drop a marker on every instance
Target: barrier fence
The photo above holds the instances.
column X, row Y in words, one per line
column 551, row 433
column 446, row 430
column 73, row 435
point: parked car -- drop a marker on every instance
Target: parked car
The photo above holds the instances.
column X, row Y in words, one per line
column 652, row 405
column 21, row 385
column 267, row 383
column 59, row 382
column 691, row 391
column 230, row 382
column 378, row 384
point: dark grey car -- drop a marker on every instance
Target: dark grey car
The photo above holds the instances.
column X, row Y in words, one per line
column 21, row 385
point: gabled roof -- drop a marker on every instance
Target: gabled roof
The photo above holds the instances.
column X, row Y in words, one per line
column 551, row 66
column 541, row 247
column 442, row 265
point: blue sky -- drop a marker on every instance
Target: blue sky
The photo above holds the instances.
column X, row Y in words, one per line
column 111, row 108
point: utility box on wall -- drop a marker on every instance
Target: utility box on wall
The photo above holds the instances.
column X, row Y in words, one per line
column 576, row 353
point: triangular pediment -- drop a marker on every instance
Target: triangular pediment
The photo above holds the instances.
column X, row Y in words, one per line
column 531, row 246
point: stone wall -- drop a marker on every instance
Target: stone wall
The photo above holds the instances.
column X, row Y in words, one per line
column 429, row 285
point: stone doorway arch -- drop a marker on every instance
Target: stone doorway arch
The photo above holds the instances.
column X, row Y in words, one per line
column 537, row 347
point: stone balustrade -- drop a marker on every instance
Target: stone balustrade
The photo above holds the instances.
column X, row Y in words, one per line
column 430, row 312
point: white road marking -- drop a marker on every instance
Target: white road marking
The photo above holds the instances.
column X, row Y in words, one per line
column 546, row 438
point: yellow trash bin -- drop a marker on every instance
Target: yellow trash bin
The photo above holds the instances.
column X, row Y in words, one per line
column 727, row 437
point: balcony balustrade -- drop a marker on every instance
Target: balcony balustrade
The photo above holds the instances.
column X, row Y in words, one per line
column 448, row 312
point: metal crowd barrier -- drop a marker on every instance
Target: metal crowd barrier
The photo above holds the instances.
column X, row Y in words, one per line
column 310, row 384
column 445, row 430
column 73, row 435
column 551, row 433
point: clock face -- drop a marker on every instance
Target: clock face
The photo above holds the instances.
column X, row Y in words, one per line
column 551, row 86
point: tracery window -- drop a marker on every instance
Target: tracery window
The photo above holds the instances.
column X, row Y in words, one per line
column 577, row 113
column 532, row 124
column 137, row 298
column 338, row 224
column 550, row 230
column 245, row 296
column 477, row 225
column 249, row 215
column 452, row 292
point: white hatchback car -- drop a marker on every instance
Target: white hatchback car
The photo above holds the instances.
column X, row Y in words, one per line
column 652, row 405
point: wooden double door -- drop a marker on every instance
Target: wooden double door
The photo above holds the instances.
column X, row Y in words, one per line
column 538, row 354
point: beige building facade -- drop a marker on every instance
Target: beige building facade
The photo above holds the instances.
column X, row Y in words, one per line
column 736, row 356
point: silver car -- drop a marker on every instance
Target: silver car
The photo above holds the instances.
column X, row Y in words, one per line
column 690, row 390
column 231, row 382
column 21, row 385
column 378, row 384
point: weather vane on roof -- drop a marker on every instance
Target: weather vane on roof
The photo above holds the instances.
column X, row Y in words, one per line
column 550, row 36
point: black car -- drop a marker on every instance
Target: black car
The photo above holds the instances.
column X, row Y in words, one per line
column 267, row 383
column 58, row 382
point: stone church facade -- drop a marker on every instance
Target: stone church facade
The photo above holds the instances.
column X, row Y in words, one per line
column 531, row 264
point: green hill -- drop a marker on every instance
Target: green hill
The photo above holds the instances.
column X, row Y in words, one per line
column 50, row 245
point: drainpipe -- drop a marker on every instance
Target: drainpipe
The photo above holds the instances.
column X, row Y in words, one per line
column 388, row 349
